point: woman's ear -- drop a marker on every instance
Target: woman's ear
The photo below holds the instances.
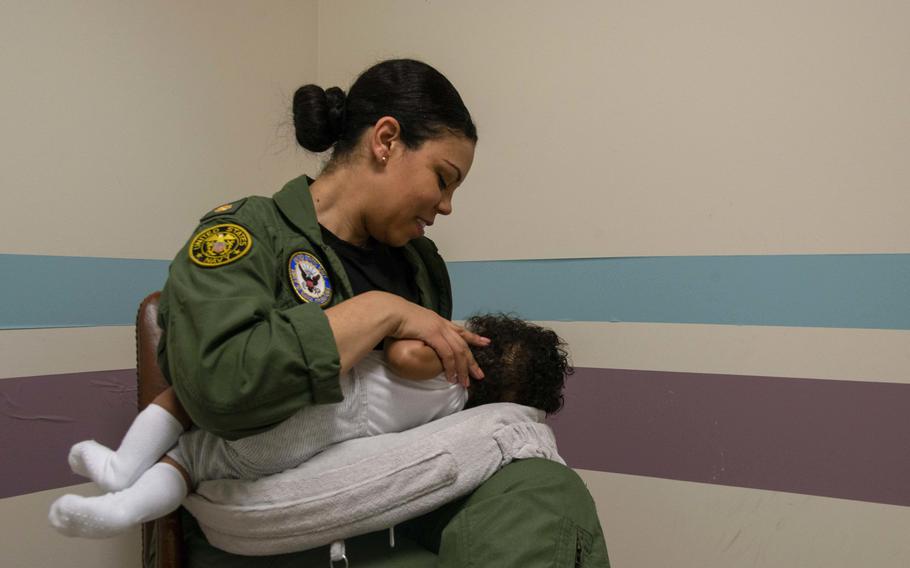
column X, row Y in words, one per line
column 385, row 134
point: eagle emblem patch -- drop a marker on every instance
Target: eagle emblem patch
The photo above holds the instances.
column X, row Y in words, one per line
column 309, row 278
column 219, row 245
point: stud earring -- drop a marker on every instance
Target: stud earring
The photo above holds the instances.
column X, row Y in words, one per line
column 384, row 159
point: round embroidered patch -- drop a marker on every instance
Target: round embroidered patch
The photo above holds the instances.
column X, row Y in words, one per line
column 220, row 245
column 309, row 278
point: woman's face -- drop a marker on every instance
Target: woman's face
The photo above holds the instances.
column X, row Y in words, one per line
column 417, row 186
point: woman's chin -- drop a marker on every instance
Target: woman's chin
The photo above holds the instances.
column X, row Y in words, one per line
column 396, row 241
column 403, row 239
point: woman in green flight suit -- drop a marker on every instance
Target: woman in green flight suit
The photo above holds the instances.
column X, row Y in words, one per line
column 273, row 298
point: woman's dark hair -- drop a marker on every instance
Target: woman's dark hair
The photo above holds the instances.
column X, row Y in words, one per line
column 524, row 363
column 425, row 104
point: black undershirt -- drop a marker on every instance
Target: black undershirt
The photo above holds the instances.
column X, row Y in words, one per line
column 375, row 266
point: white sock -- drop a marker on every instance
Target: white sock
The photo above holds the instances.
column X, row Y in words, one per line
column 156, row 493
column 152, row 433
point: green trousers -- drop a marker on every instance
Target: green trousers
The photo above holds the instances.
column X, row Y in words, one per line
column 532, row 513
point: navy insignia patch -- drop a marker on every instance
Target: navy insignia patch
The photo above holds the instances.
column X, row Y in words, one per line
column 219, row 245
column 309, row 278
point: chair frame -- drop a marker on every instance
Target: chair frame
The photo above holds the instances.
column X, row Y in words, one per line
column 162, row 539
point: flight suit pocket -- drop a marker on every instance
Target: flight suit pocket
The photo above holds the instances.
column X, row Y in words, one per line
column 574, row 548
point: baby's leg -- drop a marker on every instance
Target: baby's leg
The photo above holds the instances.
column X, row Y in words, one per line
column 154, row 431
column 157, row 492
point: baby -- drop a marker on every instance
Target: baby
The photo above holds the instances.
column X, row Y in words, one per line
column 402, row 389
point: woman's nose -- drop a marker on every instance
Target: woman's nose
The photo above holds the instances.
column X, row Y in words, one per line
column 444, row 207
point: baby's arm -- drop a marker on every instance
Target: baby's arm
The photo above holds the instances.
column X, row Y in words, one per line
column 412, row 359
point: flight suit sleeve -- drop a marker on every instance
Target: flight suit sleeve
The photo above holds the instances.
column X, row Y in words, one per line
column 238, row 362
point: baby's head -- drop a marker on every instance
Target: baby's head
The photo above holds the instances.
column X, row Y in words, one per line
column 525, row 363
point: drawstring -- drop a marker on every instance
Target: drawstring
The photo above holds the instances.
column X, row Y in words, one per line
column 336, row 554
column 392, row 536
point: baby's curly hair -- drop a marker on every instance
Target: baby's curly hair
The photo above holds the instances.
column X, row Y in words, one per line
column 524, row 363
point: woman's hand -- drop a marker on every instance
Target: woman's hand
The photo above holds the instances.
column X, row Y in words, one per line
column 448, row 340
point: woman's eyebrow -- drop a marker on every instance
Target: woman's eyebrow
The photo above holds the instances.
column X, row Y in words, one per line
column 454, row 166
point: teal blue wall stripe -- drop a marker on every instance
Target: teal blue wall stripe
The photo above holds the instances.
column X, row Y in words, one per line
column 854, row 291
column 71, row 291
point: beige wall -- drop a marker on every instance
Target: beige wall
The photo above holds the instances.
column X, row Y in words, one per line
column 662, row 523
column 28, row 541
column 122, row 123
column 660, row 127
column 607, row 129
column 680, row 128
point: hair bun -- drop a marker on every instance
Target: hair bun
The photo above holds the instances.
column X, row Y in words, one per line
column 336, row 100
column 318, row 116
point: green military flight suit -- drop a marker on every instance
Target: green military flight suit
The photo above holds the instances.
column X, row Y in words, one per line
column 244, row 351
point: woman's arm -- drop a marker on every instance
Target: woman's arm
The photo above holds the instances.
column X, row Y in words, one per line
column 363, row 321
column 239, row 364
column 412, row 359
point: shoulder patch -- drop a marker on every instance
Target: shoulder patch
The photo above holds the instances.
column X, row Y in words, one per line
column 309, row 278
column 219, row 245
column 226, row 209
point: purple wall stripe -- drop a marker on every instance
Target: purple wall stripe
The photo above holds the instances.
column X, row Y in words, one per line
column 843, row 439
column 41, row 417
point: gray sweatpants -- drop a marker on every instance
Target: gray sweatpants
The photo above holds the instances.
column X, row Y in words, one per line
column 290, row 443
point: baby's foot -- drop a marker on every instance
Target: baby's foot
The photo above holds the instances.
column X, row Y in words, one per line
column 94, row 461
column 89, row 517
column 156, row 493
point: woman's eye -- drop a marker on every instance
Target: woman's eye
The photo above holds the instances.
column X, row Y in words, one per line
column 442, row 181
